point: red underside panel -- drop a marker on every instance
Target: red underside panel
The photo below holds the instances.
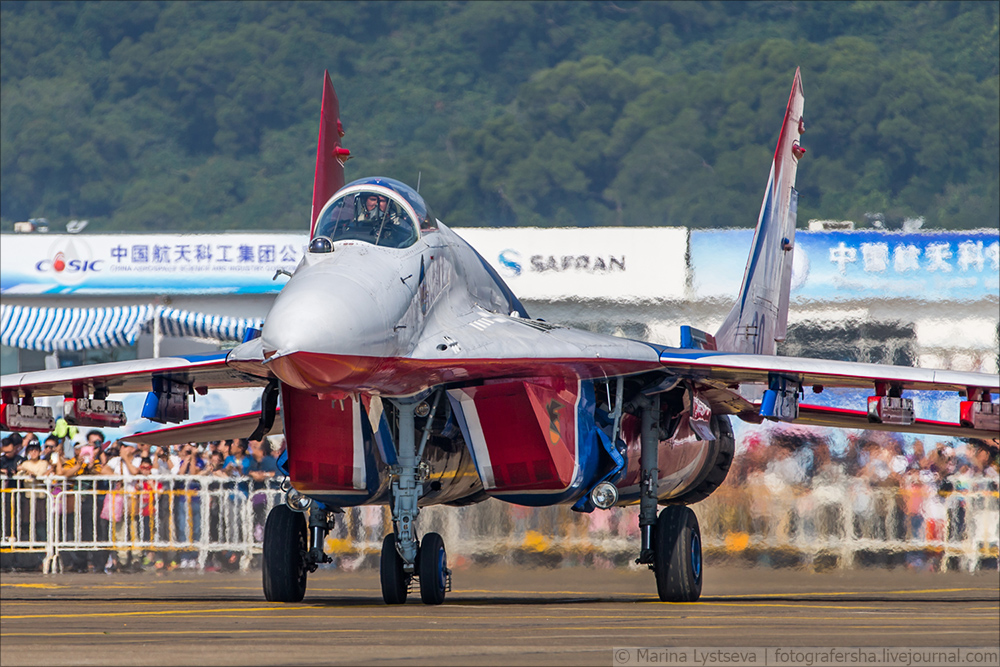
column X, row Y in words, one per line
column 320, row 437
column 527, row 434
column 403, row 376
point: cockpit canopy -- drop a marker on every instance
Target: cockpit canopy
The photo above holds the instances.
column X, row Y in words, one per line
column 380, row 211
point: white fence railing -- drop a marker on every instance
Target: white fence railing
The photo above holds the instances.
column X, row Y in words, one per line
column 188, row 515
column 198, row 517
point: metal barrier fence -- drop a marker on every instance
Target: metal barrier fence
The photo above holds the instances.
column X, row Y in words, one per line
column 197, row 518
column 125, row 516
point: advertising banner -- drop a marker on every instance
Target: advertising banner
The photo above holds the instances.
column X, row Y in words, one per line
column 237, row 263
column 864, row 264
column 586, row 263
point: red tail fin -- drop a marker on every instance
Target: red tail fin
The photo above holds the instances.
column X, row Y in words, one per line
column 330, row 156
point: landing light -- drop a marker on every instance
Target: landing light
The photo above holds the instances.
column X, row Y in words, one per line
column 604, row 495
column 296, row 501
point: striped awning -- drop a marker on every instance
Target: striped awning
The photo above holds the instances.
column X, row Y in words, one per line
column 55, row 329
column 202, row 325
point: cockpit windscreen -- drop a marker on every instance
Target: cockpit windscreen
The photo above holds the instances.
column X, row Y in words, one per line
column 371, row 217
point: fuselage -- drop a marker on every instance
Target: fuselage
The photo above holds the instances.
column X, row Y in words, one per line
column 383, row 310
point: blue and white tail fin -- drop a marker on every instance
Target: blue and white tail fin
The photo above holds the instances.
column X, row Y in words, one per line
column 760, row 317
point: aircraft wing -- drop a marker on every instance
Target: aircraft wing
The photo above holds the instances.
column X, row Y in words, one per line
column 751, row 368
column 224, row 428
column 239, row 367
column 505, row 341
column 490, row 345
column 723, row 370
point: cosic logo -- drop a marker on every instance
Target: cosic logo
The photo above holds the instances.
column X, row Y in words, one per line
column 69, row 262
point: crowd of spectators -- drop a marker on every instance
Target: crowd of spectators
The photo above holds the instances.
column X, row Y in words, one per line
column 151, row 493
column 893, row 488
column 789, row 481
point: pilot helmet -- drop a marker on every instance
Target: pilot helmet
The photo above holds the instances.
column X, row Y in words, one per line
column 367, row 207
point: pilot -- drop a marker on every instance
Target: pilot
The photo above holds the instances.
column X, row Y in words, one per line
column 367, row 218
column 370, row 211
column 397, row 229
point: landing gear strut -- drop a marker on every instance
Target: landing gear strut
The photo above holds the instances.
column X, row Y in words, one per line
column 403, row 557
column 649, row 444
column 670, row 543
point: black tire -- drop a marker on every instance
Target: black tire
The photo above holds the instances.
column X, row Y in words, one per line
column 395, row 582
column 286, row 541
column 432, row 565
column 678, row 560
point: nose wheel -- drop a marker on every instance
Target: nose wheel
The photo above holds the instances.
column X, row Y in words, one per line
column 394, row 579
column 677, row 561
column 431, row 571
column 435, row 577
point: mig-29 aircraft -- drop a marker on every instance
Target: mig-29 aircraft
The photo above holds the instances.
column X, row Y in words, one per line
column 409, row 374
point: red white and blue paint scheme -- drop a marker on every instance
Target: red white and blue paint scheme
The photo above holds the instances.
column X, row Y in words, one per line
column 409, row 374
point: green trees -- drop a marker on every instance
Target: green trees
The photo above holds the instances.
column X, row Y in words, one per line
column 153, row 116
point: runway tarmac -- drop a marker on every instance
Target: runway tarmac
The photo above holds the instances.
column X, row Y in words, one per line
column 494, row 616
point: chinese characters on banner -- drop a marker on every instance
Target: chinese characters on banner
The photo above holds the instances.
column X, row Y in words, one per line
column 242, row 263
column 847, row 265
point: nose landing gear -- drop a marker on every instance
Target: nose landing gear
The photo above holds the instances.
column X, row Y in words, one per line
column 403, row 557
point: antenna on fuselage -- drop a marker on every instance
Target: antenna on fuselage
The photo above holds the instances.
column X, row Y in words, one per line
column 419, row 173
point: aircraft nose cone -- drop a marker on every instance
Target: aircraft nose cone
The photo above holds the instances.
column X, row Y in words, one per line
column 326, row 314
column 334, row 321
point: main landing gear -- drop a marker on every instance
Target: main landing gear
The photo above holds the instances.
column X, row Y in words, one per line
column 288, row 557
column 403, row 557
column 670, row 543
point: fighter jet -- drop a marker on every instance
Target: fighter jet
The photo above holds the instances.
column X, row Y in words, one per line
column 408, row 374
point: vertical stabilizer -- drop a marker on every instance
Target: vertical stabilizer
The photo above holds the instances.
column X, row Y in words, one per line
column 330, row 155
column 760, row 317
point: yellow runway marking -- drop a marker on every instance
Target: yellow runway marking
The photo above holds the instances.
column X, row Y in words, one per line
column 146, row 633
column 419, row 617
column 757, row 604
column 652, row 619
column 815, row 593
column 151, row 613
column 314, row 631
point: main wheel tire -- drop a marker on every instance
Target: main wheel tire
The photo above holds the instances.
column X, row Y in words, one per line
column 678, row 555
column 432, row 564
column 286, row 541
column 395, row 582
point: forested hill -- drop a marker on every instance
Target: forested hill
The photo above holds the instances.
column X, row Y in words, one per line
column 203, row 116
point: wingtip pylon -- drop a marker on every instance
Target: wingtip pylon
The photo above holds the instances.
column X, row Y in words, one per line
column 330, row 155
